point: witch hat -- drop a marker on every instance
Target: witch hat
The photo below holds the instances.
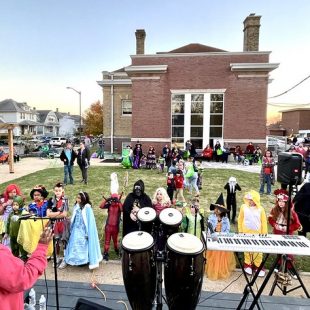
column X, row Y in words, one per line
column 219, row 204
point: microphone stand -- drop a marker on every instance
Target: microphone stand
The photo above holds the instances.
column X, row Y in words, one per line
column 54, row 252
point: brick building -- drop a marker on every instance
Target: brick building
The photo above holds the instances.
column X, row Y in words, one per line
column 195, row 92
column 294, row 120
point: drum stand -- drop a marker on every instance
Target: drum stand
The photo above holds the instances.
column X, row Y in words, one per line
column 160, row 259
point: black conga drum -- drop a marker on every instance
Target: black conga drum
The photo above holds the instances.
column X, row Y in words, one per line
column 184, row 271
column 139, row 269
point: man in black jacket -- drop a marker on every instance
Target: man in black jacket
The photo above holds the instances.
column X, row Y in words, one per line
column 68, row 157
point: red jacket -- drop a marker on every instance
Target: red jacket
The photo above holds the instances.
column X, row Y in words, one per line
column 179, row 180
column 17, row 276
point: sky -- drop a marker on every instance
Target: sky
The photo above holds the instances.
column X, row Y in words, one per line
column 47, row 45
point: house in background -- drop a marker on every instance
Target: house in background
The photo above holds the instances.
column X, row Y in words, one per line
column 69, row 124
column 49, row 124
column 195, row 92
column 21, row 114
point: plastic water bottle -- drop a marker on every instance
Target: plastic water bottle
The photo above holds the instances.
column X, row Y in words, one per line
column 42, row 303
column 32, row 298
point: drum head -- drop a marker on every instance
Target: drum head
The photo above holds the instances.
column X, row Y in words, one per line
column 146, row 214
column 185, row 243
column 137, row 241
column 170, row 216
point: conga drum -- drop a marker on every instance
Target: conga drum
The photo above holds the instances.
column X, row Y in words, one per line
column 184, row 271
column 146, row 216
column 170, row 219
column 139, row 269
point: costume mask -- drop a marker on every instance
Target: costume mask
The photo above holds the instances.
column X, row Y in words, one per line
column 138, row 191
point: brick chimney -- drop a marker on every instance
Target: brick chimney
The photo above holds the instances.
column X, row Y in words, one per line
column 251, row 33
column 140, row 38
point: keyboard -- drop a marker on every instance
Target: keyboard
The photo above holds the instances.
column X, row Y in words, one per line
column 267, row 243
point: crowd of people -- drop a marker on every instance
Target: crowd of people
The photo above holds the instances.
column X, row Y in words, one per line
column 76, row 238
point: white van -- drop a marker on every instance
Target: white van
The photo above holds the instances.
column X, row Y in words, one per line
column 58, row 141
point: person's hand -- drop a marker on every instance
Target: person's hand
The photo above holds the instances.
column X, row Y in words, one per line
column 5, row 236
column 46, row 236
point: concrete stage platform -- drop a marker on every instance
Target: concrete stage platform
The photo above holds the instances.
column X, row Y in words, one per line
column 70, row 292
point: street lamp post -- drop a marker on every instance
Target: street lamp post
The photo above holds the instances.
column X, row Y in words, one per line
column 80, row 102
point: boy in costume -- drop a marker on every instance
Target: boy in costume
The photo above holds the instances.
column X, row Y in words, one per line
column 115, row 208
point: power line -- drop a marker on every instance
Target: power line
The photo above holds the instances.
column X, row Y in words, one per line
column 291, row 88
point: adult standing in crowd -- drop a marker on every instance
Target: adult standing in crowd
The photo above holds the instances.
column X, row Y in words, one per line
column 267, row 173
column 83, row 160
column 68, row 157
column 17, row 276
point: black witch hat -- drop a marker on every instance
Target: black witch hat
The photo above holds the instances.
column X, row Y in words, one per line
column 219, row 204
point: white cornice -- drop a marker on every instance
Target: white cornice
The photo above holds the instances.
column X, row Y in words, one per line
column 147, row 69
column 168, row 55
column 107, row 82
column 246, row 76
column 196, row 91
column 151, row 139
column 253, row 66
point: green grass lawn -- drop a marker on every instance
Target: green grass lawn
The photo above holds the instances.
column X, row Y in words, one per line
column 99, row 185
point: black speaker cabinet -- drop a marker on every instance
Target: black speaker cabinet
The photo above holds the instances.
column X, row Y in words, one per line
column 84, row 304
column 289, row 168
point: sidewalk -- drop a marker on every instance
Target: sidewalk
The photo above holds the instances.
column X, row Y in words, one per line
column 29, row 165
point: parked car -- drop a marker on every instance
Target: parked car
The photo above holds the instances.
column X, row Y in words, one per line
column 58, row 141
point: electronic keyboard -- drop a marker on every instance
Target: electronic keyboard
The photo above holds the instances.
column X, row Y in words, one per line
column 260, row 243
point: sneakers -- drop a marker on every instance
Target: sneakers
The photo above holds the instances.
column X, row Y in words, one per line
column 248, row 269
column 62, row 265
column 262, row 273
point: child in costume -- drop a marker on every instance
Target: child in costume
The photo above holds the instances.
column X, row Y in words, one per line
column 252, row 220
column 57, row 210
column 179, row 185
column 278, row 220
column 170, row 186
column 83, row 245
column 232, row 187
column 38, row 207
column 193, row 218
column 160, row 200
column 115, row 208
column 219, row 264
column 13, row 228
column 6, row 203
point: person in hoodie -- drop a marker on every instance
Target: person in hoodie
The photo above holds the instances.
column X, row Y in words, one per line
column 17, row 276
column 133, row 202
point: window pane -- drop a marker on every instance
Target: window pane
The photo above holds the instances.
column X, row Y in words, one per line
column 197, row 97
column 126, row 107
column 178, row 98
column 216, row 107
column 197, row 120
column 215, row 132
column 197, row 143
column 216, row 97
column 177, row 107
column 197, row 107
column 177, row 119
column 178, row 132
column 216, row 119
column 196, row 131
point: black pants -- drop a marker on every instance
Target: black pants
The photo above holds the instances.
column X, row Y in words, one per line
column 84, row 171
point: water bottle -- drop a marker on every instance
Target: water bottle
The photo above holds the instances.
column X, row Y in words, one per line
column 32, row 298
column 42, row 303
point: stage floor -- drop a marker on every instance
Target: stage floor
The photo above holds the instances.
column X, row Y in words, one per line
column 70, row 292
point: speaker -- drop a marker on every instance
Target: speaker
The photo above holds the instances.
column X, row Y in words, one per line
column 289, row 168
column 84, row 304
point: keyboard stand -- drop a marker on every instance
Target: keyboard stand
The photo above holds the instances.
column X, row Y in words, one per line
column 248, row 288
column 284, row 288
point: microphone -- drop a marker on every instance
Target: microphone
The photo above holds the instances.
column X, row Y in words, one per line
column 213, row 234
